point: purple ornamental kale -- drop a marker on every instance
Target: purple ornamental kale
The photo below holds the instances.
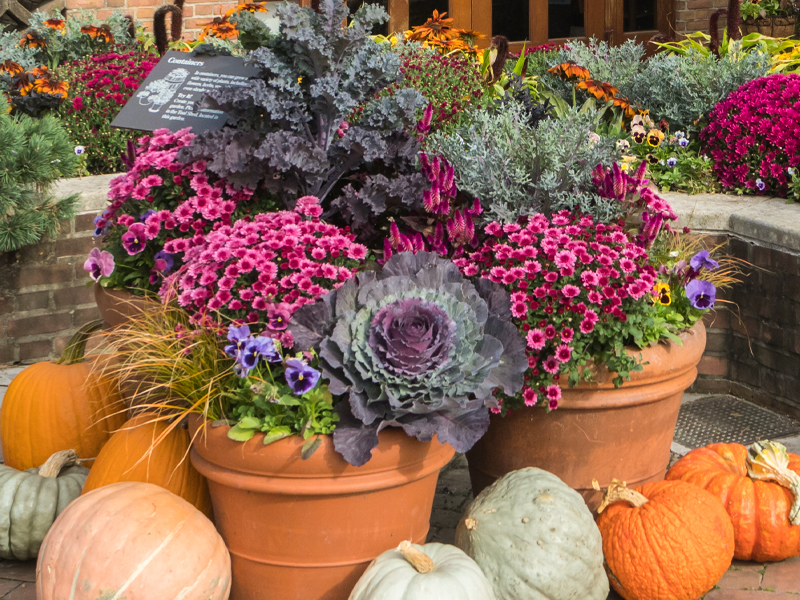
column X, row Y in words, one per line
column 300, row 377
column 412, row 337
column 701, row 294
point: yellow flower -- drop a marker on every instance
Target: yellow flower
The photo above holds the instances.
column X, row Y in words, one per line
column 655, row 137
column 393, row 40
column 661, row 294
column 299, row 80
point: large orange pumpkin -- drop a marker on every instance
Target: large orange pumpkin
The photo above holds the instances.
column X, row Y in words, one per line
column 135, row 541
column 759, row 510
column 668, row 540
column 61, row 405
column 144, row 450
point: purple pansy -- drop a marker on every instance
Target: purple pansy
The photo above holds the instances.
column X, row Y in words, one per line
column 254, row 349
column 278, row 316
column 99, row 264
column 237, row 335
column 163, row 262
column 703, row 260
column 134, row 239
column 147, row 213
column 701, row 294
column 100, row 225
column 300, row 377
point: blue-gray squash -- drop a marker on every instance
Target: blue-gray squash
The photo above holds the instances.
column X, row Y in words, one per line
column 535, row 539
column 430, row 572
column 31, row 500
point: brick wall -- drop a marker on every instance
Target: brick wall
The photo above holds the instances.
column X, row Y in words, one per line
column 693, row 15
column 196, row 14
column 753, row 349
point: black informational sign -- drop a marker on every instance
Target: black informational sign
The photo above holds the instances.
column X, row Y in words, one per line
column 169, row 96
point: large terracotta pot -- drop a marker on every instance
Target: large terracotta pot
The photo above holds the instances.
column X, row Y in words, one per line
column 781, row 27
column 307, row 529
column 597, row 432
column 117, row 306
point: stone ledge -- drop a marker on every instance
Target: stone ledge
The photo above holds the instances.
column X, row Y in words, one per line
column 769, row 220
column 93, row 191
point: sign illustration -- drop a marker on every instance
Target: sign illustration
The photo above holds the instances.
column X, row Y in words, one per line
column 170, row 95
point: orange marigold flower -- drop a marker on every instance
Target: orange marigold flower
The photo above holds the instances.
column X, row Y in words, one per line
column 90, row 30
column 32, row 40
column 39, row 71
column 102, row 33
column 23, row 86
column 600, row 90
column 52, row 86
column 57, row 24
column 10, row 67
column 570, row 70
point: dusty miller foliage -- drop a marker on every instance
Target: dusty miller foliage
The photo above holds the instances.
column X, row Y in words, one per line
column 678, row 88
column 285, row 129
column 684, row 89
column 517, row 169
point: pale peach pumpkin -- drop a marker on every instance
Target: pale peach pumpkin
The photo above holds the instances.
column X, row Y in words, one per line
column 135, row 541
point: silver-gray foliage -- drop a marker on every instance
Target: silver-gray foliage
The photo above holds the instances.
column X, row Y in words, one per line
column 516, row 169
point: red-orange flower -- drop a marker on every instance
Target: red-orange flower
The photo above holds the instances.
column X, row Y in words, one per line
column 625, row 105
column 10, row 67
column 570, row 70
column 22, row 86
column 52, row 86
column 57, row 24
column 437, row 27
column 600, row 90
column 220, row 28
column 32, row 40
column 102, row 33
column 40, row 71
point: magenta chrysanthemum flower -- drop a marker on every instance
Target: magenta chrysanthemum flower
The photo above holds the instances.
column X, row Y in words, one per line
column 563, row 353
column 536, row 339
column 551, row 365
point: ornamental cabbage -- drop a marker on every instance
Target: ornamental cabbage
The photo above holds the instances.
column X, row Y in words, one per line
column 416, row 346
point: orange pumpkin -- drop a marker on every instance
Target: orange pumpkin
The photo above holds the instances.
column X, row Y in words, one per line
column 61, row 405
column 759, row 510
column 135, row 541
column 668, row 540
column 148, row 451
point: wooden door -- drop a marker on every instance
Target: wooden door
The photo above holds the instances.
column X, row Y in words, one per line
column 544, row 21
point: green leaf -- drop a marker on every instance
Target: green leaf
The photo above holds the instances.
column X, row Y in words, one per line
column 277, row 433
column 238, row 434
column 289, row 400
column 249, row 423
column 310, row 447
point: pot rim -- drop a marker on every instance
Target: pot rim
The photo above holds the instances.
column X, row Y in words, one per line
column 278, row 468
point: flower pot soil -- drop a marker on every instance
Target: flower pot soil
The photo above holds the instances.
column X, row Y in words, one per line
column 117, row 306
column 307, row 529
column 597, row 432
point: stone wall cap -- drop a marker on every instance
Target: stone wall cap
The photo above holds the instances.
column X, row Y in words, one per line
column 92, row 189
column 769, row 220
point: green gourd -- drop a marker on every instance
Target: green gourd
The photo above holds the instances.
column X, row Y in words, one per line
column 31, row 500
column 433, row 571
column 535, row 539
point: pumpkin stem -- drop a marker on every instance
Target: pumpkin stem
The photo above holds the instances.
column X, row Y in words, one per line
column 76, row 347
column 61, row 459
column 769, row 461
column 418, row 559
column 617, row 492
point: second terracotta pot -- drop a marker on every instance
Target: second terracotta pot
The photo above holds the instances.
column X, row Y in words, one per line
column 307, row 530
column 117, row 306
column 598, row 431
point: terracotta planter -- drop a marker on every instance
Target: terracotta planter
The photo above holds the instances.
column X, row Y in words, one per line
column 117, row 306
column 307, row 530
column 597, row 432
column 780, row 27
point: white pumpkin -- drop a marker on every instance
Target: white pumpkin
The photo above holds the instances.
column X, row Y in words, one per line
column 535, row 539
column 429, row 572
